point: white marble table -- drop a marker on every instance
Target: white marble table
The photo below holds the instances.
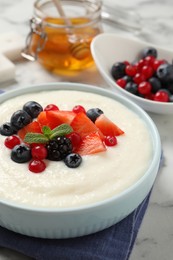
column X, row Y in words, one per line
column 155, row 238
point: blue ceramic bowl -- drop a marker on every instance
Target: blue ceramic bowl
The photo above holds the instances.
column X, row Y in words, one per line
column 79, row 221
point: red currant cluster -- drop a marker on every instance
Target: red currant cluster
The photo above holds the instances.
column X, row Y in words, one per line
column 149, row 77
column 33, row 143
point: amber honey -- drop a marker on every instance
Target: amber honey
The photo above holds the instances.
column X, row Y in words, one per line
column 65, row 50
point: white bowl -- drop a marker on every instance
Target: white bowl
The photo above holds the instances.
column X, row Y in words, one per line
column 108, row 48
column 79, row 221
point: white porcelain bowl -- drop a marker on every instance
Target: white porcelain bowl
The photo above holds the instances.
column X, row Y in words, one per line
column 108, row 48
column 83, row 220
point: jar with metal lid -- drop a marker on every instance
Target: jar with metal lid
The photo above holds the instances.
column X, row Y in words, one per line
column 62, row 43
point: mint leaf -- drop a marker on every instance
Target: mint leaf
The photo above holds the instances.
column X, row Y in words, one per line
column 35, row 138
column 46, row 131
column 61, row 130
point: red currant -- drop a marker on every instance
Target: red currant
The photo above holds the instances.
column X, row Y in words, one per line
column 37, row 166
column 149, row 60
column 157, row 63
column 110, row 140
column 147, row 71
column 126, row 62
column 75, row 139
column 79, row 109
column 12, row 141
column 138, row 78
column 121, row 82
column 39, row 152
column 140, row 64
column 144, row 88
column 131, row 70
column 51, row 107
column 161, row 96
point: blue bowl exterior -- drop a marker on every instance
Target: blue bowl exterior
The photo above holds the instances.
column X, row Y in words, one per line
column 73, row 222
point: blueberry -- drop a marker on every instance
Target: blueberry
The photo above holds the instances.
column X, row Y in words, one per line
column 93, row 113
column 155, row 83
column 6, row 129
column 73, row 160
column 32, row 108
column 127, row 78
column 131, row 87
column 149, row 51
column 165, row 73
column 118, row 70
column 20, row 119
column 21, row 153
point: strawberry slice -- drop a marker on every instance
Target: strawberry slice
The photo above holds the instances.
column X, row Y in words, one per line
column 84, row 126
column 42, row 119
column 33, row 127
column 107, row 127
column 60, row 117
column 91, row 144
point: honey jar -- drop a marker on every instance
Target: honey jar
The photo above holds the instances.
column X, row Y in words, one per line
column 62, row 43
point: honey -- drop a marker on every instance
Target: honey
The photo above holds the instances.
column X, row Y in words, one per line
column 64, row 49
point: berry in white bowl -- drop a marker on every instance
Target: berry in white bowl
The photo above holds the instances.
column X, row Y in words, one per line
column 71, row 165
column 140, row 71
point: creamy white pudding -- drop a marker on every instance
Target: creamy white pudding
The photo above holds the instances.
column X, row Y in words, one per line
column 100, row 175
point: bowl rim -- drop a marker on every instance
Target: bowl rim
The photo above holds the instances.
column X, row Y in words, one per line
column 154, row 163
column 108, row 77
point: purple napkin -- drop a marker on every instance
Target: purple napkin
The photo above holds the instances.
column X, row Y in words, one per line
column 114, row 243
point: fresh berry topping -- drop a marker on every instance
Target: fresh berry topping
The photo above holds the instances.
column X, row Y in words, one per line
column 39, row 152
column 107, row 127
column 73, row 160
column 82, row 125
column 11, row 141
column 21, row 153
column 121, row 82
column 33, row 127
column 118, row 70
column 20, row 119
column 32, row 108
column 131, row 87
column 51, row 107
column 93, row 113
column 56, row 118
column 110, row 140
column 131, row 70
column 91, row 144
column 78, row 109
column 42, row 119
column 59, row 148
column 161, row 96
column 37, row 166
column 144, row 88
column 6, row 129
column 75, row 139
column 149, row 51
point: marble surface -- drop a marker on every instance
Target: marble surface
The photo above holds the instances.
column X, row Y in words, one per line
column 155, row 238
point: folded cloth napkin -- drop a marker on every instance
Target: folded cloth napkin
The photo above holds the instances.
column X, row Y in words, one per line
column 114, row 243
